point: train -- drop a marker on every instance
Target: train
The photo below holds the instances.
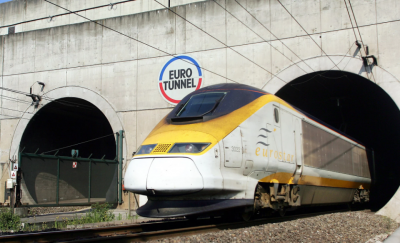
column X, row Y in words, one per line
column 235, row 148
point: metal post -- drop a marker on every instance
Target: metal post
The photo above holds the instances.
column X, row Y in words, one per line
column 117, row 156
column 120, row 160
column 12, row 200
column 129, row 203
column 373, row 166
column 90, row 180
column 58, row 182
column 19, row 160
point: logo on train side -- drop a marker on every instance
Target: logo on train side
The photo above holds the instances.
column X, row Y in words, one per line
column 180, row 76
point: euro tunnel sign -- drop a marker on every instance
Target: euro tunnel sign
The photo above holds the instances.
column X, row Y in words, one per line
column 180, row 76
column 13, row 175
column 15, row 167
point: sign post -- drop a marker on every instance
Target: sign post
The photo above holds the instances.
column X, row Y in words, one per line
column 15, row 167
column 13, row 174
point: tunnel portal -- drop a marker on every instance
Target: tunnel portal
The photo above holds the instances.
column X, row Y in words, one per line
column 361, row 109
column 55, row 130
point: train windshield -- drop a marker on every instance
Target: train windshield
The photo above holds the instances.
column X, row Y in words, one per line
column 201, row 104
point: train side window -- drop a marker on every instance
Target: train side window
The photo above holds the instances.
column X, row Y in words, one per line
column 276, row 115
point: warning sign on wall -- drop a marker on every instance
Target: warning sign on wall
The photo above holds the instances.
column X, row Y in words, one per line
column 180, row 76
column 13, row 175
column 15, row 167
column 74, row 164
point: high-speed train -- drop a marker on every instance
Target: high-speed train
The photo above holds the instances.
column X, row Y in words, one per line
column 233, row 146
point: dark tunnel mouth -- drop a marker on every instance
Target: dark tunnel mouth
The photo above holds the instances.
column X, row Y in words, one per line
column 361, row 109
column 59, row 124
column 75, row 121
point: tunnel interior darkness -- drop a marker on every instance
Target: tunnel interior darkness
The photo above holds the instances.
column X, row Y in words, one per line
column 58, row 125
column 69, row 121
column 362, row 110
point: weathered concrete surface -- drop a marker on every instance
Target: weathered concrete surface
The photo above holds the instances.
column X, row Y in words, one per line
column 17, row 11
column 392, row 208
column 394, row 238
column 76, row 58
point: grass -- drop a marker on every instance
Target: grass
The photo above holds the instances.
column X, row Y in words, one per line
column 98, row 213
column 9, row 221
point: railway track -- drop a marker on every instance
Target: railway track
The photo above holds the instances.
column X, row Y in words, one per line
column 149, row 231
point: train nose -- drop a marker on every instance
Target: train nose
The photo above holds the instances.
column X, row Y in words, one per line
column 163, row 176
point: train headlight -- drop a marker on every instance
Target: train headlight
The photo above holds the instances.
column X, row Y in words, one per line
column 146, row 149
column 188, row 147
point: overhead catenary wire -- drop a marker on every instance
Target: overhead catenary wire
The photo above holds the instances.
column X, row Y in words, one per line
column 268, row 42
column 14, row 99
column 169, row 9
column 278, row 39
column 362, row 42
column 87, row 141
column 19, row 117
column 16, row 110
column 58, row 15
column 352, row 26
column 320, row 74
column 307, row 33
column 144, row 43
column 44, row 97
column 351, row 22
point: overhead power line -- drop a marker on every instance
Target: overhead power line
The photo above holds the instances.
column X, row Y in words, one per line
column 321, row 74
column 58, row 15
column 87, row 141
column 169, row 9
column 144, row 43
column 278, row 39
column 307, row 33
column 16, row 110
column 259, row 36
column 14, row 99
column 19, row 117
column 362, row 42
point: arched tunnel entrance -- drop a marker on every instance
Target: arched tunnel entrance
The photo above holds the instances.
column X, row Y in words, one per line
column 361, row 109
column 48, row 175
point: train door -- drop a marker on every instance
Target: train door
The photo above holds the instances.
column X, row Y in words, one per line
column 232, row 170
column 233, row 149
column 276, row 133
column 287, row 154
column 298, row 135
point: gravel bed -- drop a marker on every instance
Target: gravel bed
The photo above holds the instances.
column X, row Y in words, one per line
column 360, row 226
column 48, row 210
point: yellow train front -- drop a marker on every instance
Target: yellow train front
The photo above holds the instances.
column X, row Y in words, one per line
column 232, row 146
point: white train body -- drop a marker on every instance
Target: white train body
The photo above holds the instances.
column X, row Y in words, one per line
column 258, row 155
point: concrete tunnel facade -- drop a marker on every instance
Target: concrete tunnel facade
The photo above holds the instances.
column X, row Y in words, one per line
column 78, row 59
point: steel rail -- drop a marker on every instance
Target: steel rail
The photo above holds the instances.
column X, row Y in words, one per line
column 148, row 231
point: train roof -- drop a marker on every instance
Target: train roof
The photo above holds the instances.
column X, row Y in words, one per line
column 231, row 97
column 237, row 95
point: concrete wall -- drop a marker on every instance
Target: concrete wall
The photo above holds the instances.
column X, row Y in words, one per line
column 40, row 14
column 68, row 51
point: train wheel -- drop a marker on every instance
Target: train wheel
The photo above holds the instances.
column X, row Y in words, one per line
column 247, row 213
column 246, row 216
column 282, row 212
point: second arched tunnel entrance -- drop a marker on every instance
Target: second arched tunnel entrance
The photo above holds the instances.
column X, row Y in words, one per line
column 361, row 109
column 56, row 130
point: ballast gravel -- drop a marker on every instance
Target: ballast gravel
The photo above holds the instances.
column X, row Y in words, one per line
column 359, row 226
column 49, row 210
